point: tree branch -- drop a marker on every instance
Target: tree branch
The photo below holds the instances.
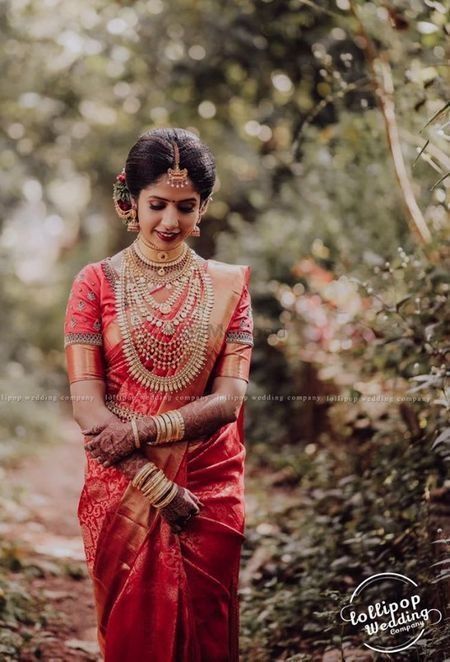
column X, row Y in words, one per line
column 384, row 91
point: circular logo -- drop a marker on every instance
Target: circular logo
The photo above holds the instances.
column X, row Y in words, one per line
column 388, row 611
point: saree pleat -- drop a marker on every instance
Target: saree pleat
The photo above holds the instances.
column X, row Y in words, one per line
column 161, row 596
column 182, row 588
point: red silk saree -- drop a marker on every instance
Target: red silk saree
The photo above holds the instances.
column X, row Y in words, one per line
column 163, row 596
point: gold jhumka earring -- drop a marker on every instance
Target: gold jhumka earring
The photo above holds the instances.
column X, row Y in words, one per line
column 133, row 223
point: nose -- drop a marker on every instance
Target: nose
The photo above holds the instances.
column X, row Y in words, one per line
column 170, row 218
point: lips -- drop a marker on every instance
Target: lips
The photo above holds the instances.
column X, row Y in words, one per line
column 167, row 236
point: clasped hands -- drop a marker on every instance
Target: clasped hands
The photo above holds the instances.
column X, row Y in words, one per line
column 111, row 441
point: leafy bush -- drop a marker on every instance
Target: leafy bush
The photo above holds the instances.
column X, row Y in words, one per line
column 359, row 495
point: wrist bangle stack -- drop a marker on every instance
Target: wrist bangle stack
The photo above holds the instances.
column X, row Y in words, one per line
column 167, row 497
column 169, row 427
column 137, row 441
column 155, row 485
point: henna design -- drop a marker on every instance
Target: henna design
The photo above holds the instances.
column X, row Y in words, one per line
column 132, row 464
column 112, row 438
column 179, row 511
column 202, row 417
column 112, row 443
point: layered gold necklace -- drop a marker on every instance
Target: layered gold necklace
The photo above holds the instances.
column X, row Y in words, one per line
column 155, row 340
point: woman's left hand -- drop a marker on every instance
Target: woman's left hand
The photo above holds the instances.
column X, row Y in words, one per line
column 112, row 443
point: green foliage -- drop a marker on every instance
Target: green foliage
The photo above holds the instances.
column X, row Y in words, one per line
column 411, row 317
column 358, row 510
column 358, row 496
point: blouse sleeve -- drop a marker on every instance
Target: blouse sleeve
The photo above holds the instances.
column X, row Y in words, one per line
column 83, row 341
column 234, row 358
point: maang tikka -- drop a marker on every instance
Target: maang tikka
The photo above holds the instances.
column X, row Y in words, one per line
column 177, row 178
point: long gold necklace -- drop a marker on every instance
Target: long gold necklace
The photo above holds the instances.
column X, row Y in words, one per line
column 153, row 343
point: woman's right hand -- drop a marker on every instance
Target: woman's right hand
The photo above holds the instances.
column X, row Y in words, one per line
column 179, row 511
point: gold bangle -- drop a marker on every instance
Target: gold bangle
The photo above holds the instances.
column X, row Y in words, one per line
column 162, row 427
column 143, row 470
column 167, row 489
column 180, row 424
column 167, row 497
column 168, row 422
column 156, row 491
column 158, row 428
column 137, row 441
column 173, row 423
column 173, row 426
column 170, row 496
column 153, row 483
column 143, row 479
column 167, row 427
column 143, row 474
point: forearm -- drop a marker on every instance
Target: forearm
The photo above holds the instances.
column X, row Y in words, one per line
column 202, row 417
column 128, row 464
column 93, row 417
column 131, row 464
column 104, row 429
column 88, row 404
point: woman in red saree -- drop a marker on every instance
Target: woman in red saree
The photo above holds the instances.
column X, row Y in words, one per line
column 153, row 330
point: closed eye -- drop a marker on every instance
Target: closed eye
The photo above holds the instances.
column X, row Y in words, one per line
column 185, row 210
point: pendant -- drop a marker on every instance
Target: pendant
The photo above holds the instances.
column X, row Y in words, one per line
column 165, row 308
column 161, row 271
column 169, row 328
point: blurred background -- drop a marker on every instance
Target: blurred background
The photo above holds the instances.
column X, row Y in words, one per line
column 330, row 126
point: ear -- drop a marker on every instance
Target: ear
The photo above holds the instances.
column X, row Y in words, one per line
column 204, row 206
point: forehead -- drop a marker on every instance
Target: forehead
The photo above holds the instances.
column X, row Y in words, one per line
column 163, row 189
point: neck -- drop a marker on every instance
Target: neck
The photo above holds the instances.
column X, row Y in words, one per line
column 152, row 252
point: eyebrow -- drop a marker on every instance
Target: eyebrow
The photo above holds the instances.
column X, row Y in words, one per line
column 166, row 200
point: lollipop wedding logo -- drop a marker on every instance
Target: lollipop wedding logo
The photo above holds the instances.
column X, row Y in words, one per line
column 400, row 621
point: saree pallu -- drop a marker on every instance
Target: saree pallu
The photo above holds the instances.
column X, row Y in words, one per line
column 163, row 596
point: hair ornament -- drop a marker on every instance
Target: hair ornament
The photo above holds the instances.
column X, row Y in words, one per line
column 177, row 178
column 122, row 202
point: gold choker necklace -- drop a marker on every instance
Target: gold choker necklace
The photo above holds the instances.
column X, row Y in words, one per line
column 159, row 254
column 169, row 268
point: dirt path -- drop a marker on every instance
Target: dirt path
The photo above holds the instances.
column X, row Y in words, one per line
column 42, row 521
